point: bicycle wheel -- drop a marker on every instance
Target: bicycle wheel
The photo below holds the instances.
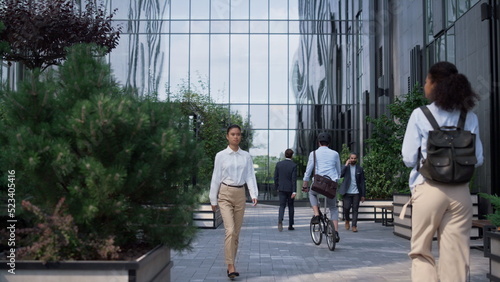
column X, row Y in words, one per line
column 316, row 232
column 330, row 236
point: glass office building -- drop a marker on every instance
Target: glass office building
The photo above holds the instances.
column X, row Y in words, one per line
column 294, row 68
column 281, row 64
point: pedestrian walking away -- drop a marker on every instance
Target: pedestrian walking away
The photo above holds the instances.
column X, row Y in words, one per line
column 440, row 207
column 327, row 163
column 233, row 169
column 353, row 190
column 285, row 181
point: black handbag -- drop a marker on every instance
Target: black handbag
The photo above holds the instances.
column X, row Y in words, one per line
column 323, row 184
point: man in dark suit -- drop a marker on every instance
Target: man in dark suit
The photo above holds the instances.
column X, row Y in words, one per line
column 285, row 181
column 353, row 191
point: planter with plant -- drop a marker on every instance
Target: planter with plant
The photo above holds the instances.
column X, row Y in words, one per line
column 101, row 175
column 492, row 237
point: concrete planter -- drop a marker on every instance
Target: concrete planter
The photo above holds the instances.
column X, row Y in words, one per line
column 152, row 267
column 492, row 251
column 402, row 227
column 204, row 217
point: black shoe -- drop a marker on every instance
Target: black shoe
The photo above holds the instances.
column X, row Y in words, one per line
column 232, row 275
column 337, row 237
column 291, row 228
column 280, row 226
column 315, row 219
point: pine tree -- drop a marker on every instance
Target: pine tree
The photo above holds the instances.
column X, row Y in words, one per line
column 123, row 164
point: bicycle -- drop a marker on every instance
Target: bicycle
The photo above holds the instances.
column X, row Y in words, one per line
column 325, row 226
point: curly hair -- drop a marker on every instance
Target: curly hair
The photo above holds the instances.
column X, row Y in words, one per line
column 452, row 90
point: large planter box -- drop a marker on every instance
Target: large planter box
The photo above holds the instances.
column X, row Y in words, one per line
column 492, row 251
column 152, row 267
column 402, row 227
column 204, row 217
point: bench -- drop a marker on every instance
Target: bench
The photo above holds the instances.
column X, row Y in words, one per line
column 386, row 210
column 483, row 225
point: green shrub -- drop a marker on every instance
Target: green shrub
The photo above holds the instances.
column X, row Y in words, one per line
column 123, row 164
column 384, row 169
column 495, row 202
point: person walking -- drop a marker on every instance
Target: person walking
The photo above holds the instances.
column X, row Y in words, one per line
column 444, row 208
column 285, row 181
column 327, row 162
column 353, row 190
column 233, row 168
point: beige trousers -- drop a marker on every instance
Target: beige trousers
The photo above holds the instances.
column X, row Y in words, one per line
column 447, row 210
column 232, row 208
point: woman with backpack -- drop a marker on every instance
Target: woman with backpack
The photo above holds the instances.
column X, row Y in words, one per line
column 440, row 207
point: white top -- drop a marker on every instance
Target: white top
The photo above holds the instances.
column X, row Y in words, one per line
column 327, row 163
column 417, row 132
column 233, row 168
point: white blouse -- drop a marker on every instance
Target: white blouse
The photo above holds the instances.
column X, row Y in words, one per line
column 233, row 168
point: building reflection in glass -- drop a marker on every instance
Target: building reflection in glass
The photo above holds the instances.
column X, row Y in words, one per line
column 145, row 56
column 278, row 63
column 314, row 74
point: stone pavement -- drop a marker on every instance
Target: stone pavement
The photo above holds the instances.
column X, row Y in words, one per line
column 373, row 254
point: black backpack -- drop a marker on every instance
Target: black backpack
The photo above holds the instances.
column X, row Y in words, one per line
column 451, row 152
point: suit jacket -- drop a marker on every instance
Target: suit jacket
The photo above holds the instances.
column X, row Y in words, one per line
column 285, row 176
column 360, row 180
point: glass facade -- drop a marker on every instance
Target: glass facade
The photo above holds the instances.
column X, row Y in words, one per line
column 277, row 63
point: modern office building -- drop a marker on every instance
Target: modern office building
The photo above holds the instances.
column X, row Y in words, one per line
column 294, row 68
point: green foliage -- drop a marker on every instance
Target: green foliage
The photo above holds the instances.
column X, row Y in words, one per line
column 56, row 237
column 495, row 202
column 38, row 32
column 344, row 154
column 265, row 166
column 4, row 46
column 384, row 169
column 210, row 121
column 123, row 164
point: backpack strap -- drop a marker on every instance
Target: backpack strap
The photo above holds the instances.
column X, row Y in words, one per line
column 461, row 120
column 435, row 125
column 430, row 117
column 314, row 167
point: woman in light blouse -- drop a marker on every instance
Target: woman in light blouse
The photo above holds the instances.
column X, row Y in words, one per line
column 442, row 208
column 232, row 170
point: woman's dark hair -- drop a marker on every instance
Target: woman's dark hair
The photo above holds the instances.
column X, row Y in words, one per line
column 452, row 90
column 232, row 126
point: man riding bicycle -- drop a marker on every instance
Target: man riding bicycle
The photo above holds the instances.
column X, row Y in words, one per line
column 327, row 163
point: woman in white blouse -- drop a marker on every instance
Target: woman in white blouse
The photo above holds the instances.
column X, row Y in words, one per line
column 440, row 208
column 232, row 170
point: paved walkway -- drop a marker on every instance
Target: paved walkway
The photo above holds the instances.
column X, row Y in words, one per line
column 373, row 254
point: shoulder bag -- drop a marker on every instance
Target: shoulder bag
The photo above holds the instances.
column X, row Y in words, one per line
column 323, row 184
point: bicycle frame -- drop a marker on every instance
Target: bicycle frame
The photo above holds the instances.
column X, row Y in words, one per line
column 325, row 226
